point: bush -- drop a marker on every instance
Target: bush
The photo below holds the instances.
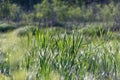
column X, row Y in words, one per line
column 15, row 12
column 9, row 11
column 116, row 25
column 4, row 9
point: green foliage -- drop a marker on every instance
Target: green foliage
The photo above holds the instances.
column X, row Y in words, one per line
column 54, row 12
column 4, row 65
column 44, row 9
column 9, row 11
column 71, row 56
column 52, row 54
column 91, row 52
column 15, row 12
column 4, row 8
column 108, row 12
column 29, row 3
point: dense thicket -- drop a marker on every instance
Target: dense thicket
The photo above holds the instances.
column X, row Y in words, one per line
column 59, row 12
column 26, row 3
column 30, row 3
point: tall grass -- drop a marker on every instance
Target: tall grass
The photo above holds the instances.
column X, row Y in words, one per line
column 71, row 56
column 57, row 55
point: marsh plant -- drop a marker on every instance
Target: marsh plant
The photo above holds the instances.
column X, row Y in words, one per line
column 47, row 54
column 72, row 56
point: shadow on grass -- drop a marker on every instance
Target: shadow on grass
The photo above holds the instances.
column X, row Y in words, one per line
column 5, row 27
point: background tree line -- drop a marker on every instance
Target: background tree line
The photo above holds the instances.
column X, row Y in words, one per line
column 29, row 3
column 59, row 12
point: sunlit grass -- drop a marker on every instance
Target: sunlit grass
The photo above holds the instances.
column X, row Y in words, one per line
column 19, row 75
column 3, row 77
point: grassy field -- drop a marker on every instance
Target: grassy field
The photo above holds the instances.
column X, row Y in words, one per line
column 89, row 53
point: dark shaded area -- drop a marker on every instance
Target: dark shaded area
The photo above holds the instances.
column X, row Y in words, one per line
column 28, row 4
column 7, row 28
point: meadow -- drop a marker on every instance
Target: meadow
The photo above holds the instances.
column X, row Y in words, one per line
column 30, row 53
column 59, row 40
